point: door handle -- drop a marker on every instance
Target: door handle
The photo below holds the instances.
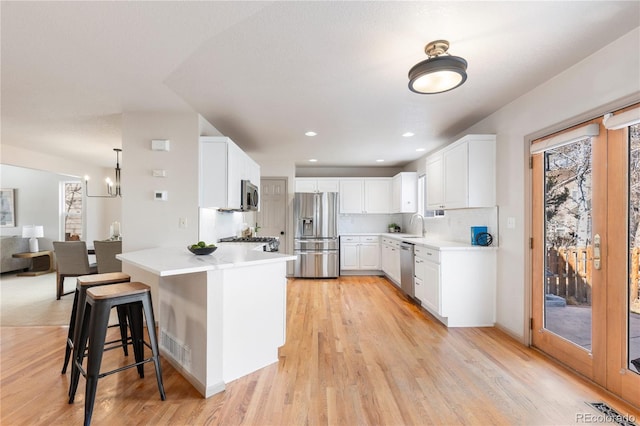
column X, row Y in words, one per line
column 596, row 251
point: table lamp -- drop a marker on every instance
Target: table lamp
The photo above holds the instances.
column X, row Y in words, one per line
column 33, row 232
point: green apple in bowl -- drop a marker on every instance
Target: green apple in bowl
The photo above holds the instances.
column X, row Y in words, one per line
column 202, row 248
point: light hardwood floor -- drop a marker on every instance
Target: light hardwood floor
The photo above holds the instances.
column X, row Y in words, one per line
column 356, row 353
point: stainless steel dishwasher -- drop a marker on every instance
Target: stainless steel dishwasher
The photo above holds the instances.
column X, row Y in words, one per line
column 406, row 269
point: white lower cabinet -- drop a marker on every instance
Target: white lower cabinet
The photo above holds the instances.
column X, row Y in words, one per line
column 360, row 253
column 457, row 286
column 391, row 259
column 427, row 278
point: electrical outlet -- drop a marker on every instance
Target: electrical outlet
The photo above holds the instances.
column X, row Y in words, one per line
column 182, row 222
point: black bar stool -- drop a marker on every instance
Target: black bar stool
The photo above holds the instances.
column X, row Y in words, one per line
column 83, row 283
column 136, row 297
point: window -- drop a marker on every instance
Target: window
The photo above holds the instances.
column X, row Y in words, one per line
column 72, row 210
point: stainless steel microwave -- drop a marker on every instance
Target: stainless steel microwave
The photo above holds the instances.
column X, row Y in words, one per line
column 249, row 194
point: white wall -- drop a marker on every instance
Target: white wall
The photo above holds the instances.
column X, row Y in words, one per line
column 100, row 212
column 36, row 199
column 147, row 222
column 609, row 77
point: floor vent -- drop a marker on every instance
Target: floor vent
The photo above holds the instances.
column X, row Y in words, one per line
column 178, row 350
column 610, row 415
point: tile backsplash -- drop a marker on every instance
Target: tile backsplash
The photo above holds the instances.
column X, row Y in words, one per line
column 456, row 225
column 362, row 223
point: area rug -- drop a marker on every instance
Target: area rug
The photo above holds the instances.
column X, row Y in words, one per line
column 29, row 301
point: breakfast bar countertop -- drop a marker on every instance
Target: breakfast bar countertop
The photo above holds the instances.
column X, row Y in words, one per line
column 168, row 261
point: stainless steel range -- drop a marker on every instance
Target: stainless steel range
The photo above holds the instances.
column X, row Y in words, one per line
column 272, row 243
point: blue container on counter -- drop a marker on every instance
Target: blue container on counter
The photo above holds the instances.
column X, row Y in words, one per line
column 475, row 231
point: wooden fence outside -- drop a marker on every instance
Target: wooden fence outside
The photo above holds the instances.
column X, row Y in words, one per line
column 568, row 274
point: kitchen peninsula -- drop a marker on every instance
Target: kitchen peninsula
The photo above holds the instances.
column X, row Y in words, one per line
column 221, row 316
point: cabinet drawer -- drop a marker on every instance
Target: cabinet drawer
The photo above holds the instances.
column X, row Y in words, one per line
column 369, row 239
column 349, row 239
column 428, row 254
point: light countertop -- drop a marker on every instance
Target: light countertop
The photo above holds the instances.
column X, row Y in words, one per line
column 424, row 241
column 166, row 261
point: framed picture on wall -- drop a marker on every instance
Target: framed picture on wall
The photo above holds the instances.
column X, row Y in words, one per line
column 7, row 209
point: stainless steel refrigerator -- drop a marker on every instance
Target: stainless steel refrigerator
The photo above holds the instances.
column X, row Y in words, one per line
column 316, row 239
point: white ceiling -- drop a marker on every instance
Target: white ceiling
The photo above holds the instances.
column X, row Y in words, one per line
column 263, row 73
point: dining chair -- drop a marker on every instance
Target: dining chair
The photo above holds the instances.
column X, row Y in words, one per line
column 72, row 260
column 106, row 256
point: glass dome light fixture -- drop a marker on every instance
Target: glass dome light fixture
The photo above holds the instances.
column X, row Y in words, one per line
column 440, row 72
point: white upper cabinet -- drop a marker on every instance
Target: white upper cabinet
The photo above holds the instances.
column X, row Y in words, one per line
column 377, row 195
column 351, row 196
column 405, row 193
column 222, row 166
column 463, row 174
column 316, row 185
column 456, row 177
column 369, row 195
column 435, row 181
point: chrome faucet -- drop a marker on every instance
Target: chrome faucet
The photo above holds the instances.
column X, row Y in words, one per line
column 421, row 222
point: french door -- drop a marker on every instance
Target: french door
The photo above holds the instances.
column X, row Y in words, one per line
column 585, row 249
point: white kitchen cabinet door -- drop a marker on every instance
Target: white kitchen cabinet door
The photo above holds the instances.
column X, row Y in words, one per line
column 435, row 182
column 328, row 185
column 390, row 261
column 377, row 195
column 394, row 264
column 456, row 177
column 463, row 174
column 431, row 287
column 222, row 165
column 369, row 256
column 316, row 185
column 349, row 259
column 351, row 196
column 305, row 185
column 221, row 169
column 482, row 171
column 385, row 258
column 360, row 253
column 418, row 289
column 405, row 193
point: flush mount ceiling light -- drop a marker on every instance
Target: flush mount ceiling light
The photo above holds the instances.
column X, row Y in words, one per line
column 440, row 72
column 310, row 133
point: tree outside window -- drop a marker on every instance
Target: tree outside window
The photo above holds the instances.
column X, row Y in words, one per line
column 72, row 211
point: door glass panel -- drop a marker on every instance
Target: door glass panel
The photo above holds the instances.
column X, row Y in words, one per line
column 634, row 248
column 567, row 198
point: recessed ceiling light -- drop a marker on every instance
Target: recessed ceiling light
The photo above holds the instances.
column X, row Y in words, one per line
column 312, row 160
column 380, row 161
column 421, row 149
column 310, row 133
column 407, row 134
